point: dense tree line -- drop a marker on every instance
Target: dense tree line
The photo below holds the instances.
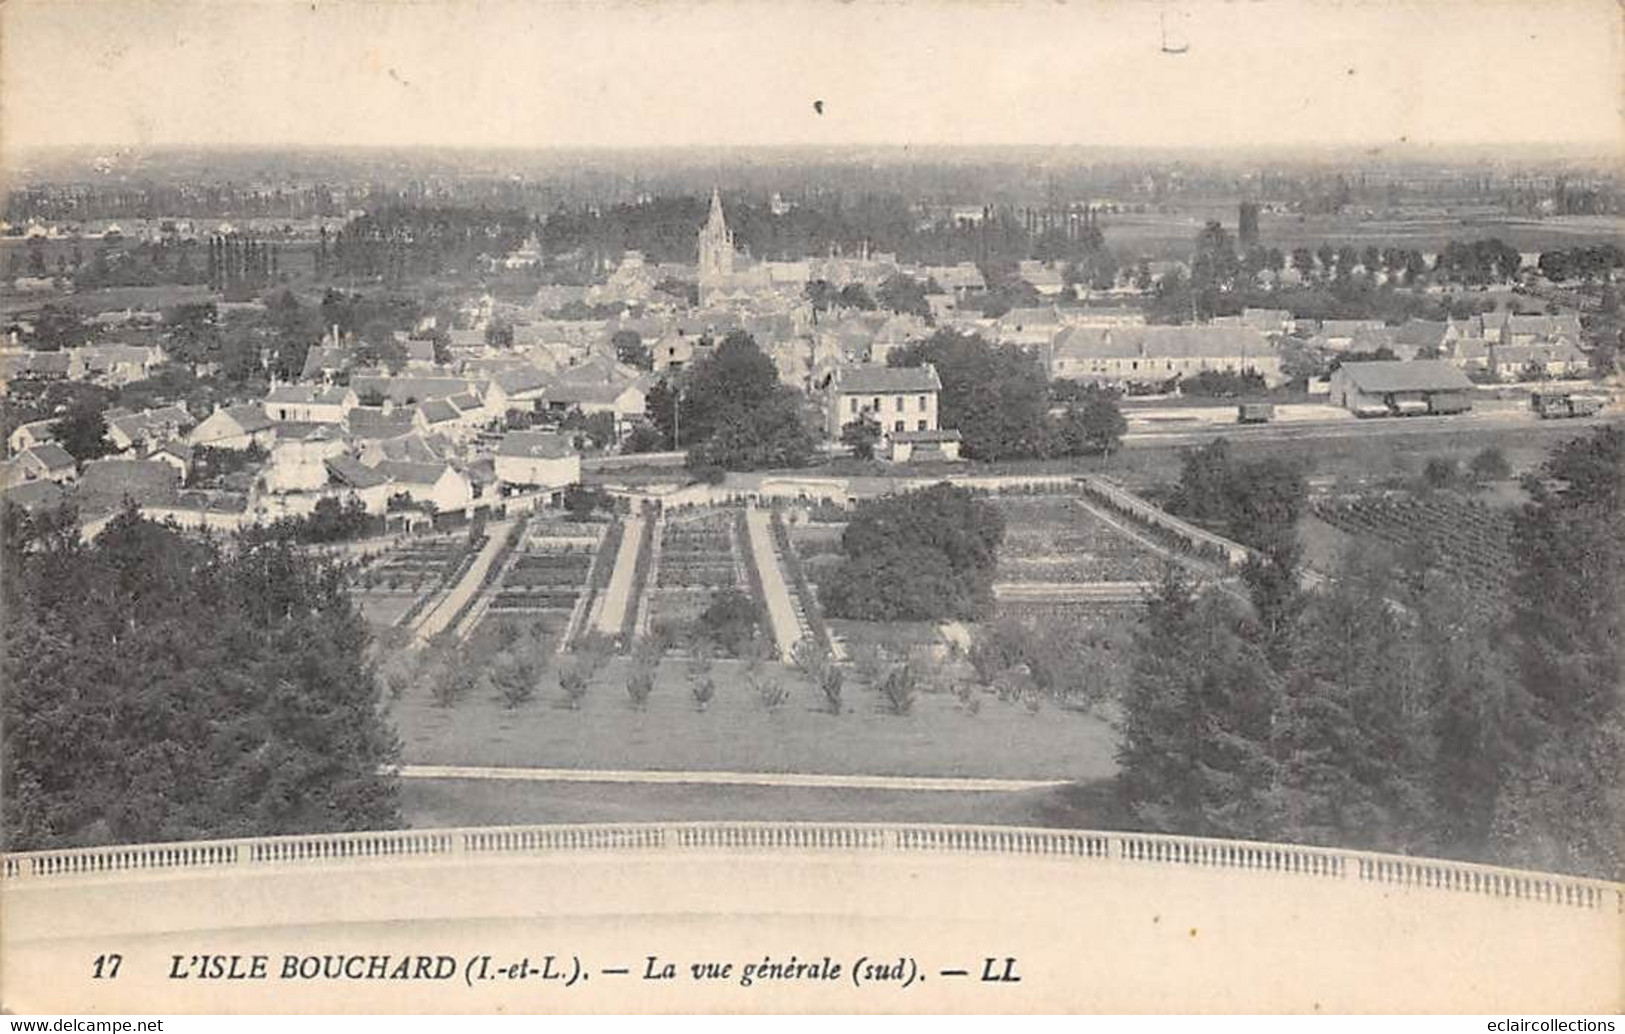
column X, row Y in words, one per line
column 1394, row 709
column 160, row 687
column 398, row 242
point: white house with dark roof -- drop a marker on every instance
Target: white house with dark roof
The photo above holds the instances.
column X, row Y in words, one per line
column 148, row 428
column 47, row 461
column 309, row 403
column 28, row 435
column 440, row 484
column 898, row 398
column 626, row 399
column 235, row 427
column 537, row 458
column 113, row 364
column 349, row 477
column 1547, row 359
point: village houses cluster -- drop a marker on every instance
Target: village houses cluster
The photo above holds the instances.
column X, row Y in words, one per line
column 452, row 432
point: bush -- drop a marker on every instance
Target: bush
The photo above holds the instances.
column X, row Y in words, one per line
column 731, row 621
column 830, row 681
column 925, row 555
column 772, row 692
column 573, row 679
column 1440, row 472
column 1490, row 465
column 514, row 678
column 703, row 688
column 640, row 684
column 453, row 681
column 899, row 689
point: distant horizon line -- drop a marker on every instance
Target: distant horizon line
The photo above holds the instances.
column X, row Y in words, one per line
column 1370, row 146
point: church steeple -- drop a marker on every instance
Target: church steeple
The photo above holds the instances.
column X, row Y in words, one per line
column 716, row 244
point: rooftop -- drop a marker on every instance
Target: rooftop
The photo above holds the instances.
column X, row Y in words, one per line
column 1383, row 376
column 883, row 380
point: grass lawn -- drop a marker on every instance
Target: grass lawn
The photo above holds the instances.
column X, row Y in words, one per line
column 439, row 803
column 383, row 609
column 738, row 732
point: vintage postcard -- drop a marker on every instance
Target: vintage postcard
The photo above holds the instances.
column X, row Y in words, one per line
column 718, row 506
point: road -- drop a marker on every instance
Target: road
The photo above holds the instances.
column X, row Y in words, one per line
column 952, row 784
column 437, row 618
column 781, row 609
column 618, row 594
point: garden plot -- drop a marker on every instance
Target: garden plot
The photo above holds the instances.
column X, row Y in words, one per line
column 1463, row 538
column 391, row 587
column 700, row 552
column 550, row 572
column 1052, row 540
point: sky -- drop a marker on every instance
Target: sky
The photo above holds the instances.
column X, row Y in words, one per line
column 493, row 73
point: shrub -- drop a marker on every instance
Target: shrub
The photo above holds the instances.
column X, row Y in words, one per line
column 810, row 657
column 703, row 688
column 1490, row 465
column 640, row 684
column 730, row 621
column 514, row 678
column 899, row 689
column 453, row 681
column 573, row 679
column 830, row 681
column 771, row 691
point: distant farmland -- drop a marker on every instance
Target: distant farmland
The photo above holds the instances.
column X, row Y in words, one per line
column 1172, row 235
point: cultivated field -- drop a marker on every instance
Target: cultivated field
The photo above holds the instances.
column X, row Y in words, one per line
column 1464, row 538
column 1052, row 539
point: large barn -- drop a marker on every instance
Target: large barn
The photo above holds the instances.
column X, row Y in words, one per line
column 1401, row 388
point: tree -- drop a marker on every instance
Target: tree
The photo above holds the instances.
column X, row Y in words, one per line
column 730, row 621
column 997, row 398
column 82, row 431
column 57, row 327
column 1091, row 427
column 580, row 501
column 735, row 378
column 772, row 434
column 162, row 688
column 379, row 346
column 861, row 435
column 1354, row 733
column 1195, row 755
column 855, row 296
column 923, row 555
column 904, row 294
column 630, row 349
column 1490, row 465
column 1565, row 807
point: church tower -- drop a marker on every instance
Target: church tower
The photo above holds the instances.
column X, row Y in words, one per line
column 716, row 245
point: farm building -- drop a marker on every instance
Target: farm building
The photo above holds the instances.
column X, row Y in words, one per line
column 1398, row 387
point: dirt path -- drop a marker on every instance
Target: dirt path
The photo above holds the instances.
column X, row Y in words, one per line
column 781, row 609
column 795, row 779
column 618, row 594
column 435, row 620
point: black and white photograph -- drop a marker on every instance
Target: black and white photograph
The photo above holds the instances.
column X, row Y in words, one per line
column 871, row 507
